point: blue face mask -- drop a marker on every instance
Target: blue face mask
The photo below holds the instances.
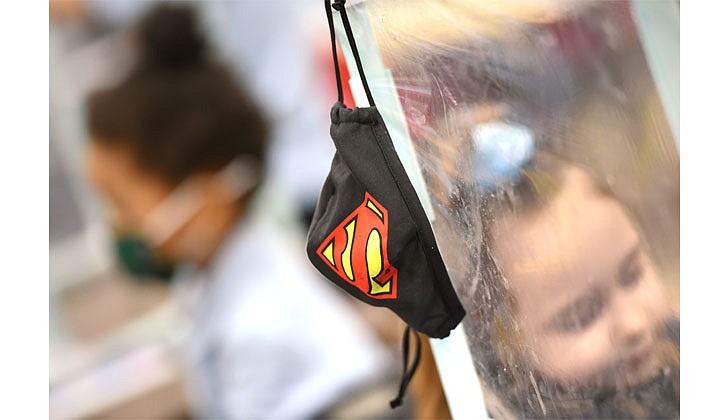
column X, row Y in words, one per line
column 135, row 252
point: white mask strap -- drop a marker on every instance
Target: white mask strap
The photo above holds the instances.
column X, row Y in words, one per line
column 185, row 201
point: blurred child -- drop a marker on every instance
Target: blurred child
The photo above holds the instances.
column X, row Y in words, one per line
column 575, row 322
column 177, row 148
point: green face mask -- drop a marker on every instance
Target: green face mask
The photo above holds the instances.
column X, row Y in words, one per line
column 135, row 252
column 135, row 255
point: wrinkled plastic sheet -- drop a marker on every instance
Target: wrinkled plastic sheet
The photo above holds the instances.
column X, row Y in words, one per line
column 553, row 175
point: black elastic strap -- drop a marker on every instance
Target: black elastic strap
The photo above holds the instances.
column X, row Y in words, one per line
column 339, row 6
column 333, row 49
column 407, row 376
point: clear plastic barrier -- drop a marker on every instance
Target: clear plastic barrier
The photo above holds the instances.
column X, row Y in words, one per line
column 540, row 144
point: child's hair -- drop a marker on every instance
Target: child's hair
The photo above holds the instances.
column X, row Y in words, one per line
column 178, row 111
column 500, row 354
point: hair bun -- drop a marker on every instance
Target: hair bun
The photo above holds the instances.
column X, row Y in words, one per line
column 170, row 36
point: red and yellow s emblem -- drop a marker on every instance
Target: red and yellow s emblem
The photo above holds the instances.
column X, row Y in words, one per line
column 357, row 250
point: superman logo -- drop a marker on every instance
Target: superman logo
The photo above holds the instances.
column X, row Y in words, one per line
column 357, row 250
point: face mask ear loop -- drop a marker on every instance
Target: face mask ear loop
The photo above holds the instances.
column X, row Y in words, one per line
column 330, row 18
column 241, row 176
column 169, row 215
column 407, row 375
column 339, row 5
column 185, row 201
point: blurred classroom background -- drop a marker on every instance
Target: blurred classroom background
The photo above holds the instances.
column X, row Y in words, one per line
column 115, row 341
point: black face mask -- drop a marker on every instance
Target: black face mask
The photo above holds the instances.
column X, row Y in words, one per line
column 370, row 234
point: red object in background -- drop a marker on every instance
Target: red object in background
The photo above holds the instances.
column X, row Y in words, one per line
column 326, row 64
column 582, row 43
column 344, row 71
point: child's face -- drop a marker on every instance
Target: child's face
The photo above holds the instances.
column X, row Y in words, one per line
column 589, row 300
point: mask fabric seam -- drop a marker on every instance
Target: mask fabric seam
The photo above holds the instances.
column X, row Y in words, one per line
column 453, row 305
